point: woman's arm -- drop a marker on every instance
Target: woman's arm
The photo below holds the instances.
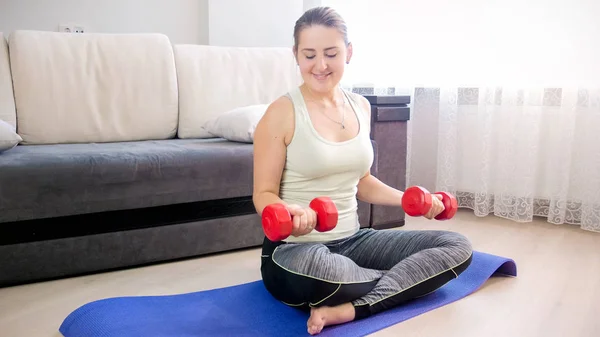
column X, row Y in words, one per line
column 270, row 143
column 374, row 191
column 271, row 138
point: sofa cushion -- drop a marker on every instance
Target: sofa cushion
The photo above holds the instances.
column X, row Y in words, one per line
column 237, row 125
column 76, row 88
column 7, row 99
column 215, row 79
column 38, row 181
column 8, row 136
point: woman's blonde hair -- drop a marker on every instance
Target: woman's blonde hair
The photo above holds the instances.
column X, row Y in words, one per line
column 324, row 16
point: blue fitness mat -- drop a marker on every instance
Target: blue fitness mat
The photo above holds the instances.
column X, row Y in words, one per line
column 249, row 310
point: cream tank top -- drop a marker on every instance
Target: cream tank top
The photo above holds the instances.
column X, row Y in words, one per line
column 317, row 167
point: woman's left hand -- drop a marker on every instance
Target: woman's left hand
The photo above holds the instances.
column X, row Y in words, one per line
column 437, row 206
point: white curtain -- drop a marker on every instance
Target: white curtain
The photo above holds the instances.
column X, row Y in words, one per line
column 515, row 153
column 505, row 99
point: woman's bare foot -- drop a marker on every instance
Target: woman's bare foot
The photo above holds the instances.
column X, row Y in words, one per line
column 324, row 316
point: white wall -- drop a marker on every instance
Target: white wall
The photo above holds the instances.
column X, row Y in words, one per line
column 215, row 22
column 472, row 42
column 255, row 23
column 183, row 21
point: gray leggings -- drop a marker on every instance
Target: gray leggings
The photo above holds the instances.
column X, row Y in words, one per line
column 373, row 269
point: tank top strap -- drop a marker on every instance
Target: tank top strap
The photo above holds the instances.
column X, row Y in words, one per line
column 300, row 110
column 355, row 104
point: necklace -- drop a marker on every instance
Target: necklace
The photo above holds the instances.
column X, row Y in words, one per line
column 343, row 113
column 343, row 116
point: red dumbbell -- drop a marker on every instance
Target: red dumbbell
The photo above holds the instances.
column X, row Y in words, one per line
column 416, row 201
column 277, row 222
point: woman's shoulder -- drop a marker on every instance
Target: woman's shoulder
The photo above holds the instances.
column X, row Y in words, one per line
column 280, row 110
column 278, row 119
column 282, row 103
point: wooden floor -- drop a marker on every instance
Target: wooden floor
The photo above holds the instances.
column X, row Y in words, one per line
column 556, row 293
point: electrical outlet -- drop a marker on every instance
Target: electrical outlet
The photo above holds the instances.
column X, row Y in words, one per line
column 71, row 28
column 65, row 28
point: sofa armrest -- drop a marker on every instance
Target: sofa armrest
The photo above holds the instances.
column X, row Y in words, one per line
column 389, row 118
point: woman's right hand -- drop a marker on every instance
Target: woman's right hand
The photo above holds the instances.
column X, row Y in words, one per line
column 304, row 219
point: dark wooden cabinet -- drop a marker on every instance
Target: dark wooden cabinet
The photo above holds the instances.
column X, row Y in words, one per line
column 389, row 119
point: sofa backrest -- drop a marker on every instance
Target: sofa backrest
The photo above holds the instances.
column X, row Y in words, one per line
column 7, row 100
column 93, row 87
column 216, row 79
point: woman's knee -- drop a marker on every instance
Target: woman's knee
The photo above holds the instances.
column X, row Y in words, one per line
column 461, row 249
column 455, row 249
column 463, row 243
column 457, row 242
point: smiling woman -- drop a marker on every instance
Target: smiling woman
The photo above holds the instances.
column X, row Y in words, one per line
column 315, row 142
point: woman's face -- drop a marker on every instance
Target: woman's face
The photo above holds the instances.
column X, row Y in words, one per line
column 322, row 55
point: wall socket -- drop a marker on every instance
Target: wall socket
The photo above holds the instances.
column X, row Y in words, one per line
column 71, row 28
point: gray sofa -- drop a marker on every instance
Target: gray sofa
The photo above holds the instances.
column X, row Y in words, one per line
column 71, row 207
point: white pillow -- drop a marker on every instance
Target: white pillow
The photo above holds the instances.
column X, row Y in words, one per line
column 8, row 136
column 237, row 125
